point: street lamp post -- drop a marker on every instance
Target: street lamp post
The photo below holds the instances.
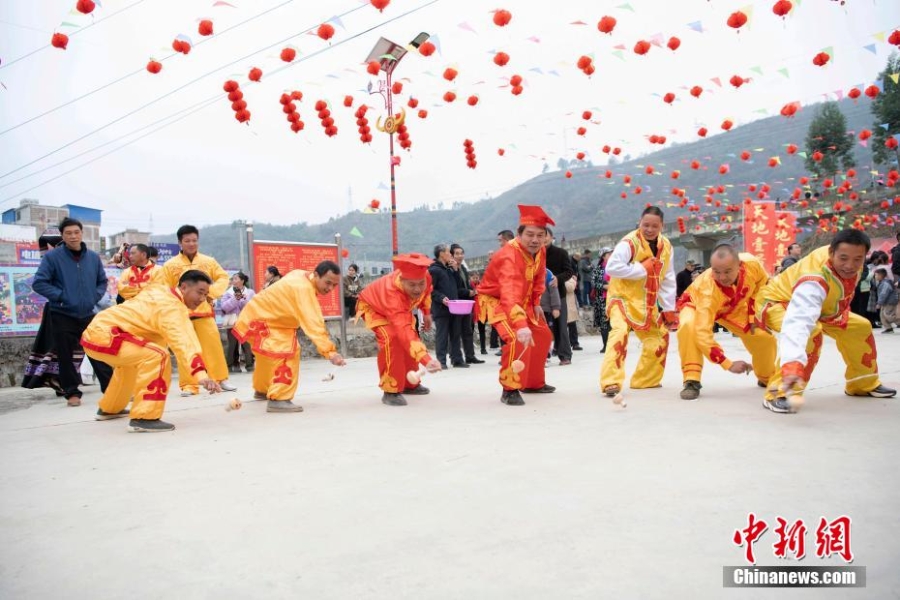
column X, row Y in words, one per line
column 388, row 54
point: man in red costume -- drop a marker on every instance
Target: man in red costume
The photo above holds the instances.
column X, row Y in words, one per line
column 387, row 305
column 509, row 298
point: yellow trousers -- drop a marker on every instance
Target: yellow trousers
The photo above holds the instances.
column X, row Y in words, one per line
column 141, row 370
column 277, row 378
column 213, row 355
column 855, row 343
column 761, row 345
column 655, row 346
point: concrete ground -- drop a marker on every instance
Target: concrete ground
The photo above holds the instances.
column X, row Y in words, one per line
column 454, row 496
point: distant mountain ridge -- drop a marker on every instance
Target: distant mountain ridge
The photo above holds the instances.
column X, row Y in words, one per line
column 586, row 204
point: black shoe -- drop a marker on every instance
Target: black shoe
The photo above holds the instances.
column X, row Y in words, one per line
column 760, row 383
column 512, row 398
column 283, row 406
column 249, row 368
column 498, row 353
column 105, row 416
column 554, row 352
column 419, row 390
column 691, row 390
column 879, row 392
column 474, row 361
column 779, row 405
column 393, row 399
column 577, row 348
column 234, row 369
column 546, row 389
column 460, row 365
column 483, row 351
column 150, row 425
column 891, row 330
column 603, row 350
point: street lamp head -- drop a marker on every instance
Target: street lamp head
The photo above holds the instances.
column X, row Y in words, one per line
column 387, row 54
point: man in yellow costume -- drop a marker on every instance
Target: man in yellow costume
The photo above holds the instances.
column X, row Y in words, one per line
column 811, row 298
column 724, row 294
column 203, row 317
column 387, row 306
column 135, row 337
column 509, row 299
column 138, row 275
column 641, row 277
column 270, row 322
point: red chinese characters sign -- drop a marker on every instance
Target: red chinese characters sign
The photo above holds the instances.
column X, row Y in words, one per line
column 768, row 232
column 288, row 256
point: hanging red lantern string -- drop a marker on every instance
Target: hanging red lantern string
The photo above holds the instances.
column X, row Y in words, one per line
column 290, row 109
column 238, row 105
column 470, row 154
column 325, row 117
column 365, row 132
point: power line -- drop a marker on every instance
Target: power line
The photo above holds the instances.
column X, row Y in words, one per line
column 190, row 110
column 137, row 71
column 76, row 32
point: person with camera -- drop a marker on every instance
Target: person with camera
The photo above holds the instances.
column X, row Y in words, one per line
column 232, row 303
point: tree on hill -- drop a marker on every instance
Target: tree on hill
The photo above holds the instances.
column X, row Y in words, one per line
column 828, row 135
column 886, row 109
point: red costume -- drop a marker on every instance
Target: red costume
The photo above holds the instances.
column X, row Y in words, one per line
column 509, row 299
column 388, row 312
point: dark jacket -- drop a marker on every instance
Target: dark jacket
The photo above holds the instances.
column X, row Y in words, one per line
column 560, row 264
column 895, row 262
column 71, row 287
column 444, row 286
column 463, row 287
column 788, row 261
column 682, row 282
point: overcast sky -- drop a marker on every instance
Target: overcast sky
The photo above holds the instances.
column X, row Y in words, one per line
column 207, row 168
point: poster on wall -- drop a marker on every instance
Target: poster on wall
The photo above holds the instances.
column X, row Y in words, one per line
column 768, row 233
column 288, row 256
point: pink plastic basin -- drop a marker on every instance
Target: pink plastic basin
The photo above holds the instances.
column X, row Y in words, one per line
column 461, row 307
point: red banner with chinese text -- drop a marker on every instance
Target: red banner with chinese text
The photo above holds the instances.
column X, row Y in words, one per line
column 768, row 232
column 288, row 256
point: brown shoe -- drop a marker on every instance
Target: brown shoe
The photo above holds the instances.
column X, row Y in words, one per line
column 73, row 401
column 611, row 390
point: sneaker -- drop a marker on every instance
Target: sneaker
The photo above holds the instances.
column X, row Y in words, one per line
column 259, row 396
column 577, row 348
column 779, row 405
column 512, row 398
column 149, row 426
column 73, row 401
column 879, row 392
column 474, row 361
column 691, row 390
column 888, row 331
column 227, row 387
column 611, row 390
column 393, row 399
column 283, row 406
column 419, row 390
column 105, row 416
column 545, row 389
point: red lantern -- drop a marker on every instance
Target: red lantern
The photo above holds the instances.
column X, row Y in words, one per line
column 449, row 97
column 865, row 134
column 154, row 67
column 891, row 144
column 851, row 173
column 288, row 54
column 872, row 91
column 581, row 131
column 515, row 80
column 412, row 103
column 745, row 155
column 586, row 115
column 502, row 18
column 580, row 156
column 584, row 62
column 423, row 113
column 450, row 74
column 790, row 109
column 803, row 180
column 348, row 101
column 817, row 156
column 723, row 169
column 181, row 46
column 702, row 132
column 205, row 27
column 669, row 98
column 501, row 151
column 501, row 58
column 782, row 7
column 230, row 86
column 397, row 87
column 696, row 91
column 568, row 174
column 727, row 124
column 653, row 139
column 85, row 6
column 737, row 20
column 642, row 47
column 380, row 4
column 606, row 24
column 344, row 252
column 472, row 100
column 617, row 151
column 59, row 40
column 427, row 49
column 325, row 31
column 516, row 90
column 894, row 38
column 255, row 74
column 773, row 162
column 737, row 81
column 673, row 43
column 626, row 179
column 821, row 59
column 792, row 149
column 606, row 149
column 373, row 67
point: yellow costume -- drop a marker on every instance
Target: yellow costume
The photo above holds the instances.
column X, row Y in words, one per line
column 804, row 302
column 203, row 318
column 631, row 303
column 133, row 338
column 707, row 302
column 134, row 279
column 270, row 322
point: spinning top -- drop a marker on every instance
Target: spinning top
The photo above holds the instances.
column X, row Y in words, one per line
column 415, row 377
column 235, row 404
column 796, row 400
column 620, row 400
column 518, row 366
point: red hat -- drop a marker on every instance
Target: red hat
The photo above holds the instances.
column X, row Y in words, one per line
column 534, row 215
column 412, row 265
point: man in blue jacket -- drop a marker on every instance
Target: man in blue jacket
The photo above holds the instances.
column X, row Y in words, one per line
column 72, row 279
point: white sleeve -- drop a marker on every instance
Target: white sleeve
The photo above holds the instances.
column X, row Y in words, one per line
column 620, row 265
column 800, row 319
column 667, row 288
